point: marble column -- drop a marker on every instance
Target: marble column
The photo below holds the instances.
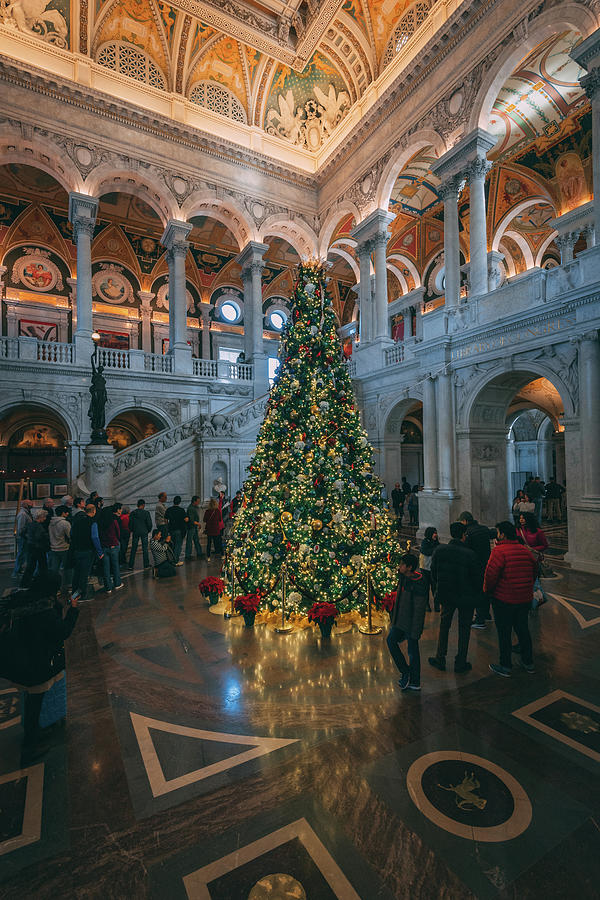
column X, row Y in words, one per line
column 82, row 216
column 591, row 85
column 449, row 191
column 446, row 433
column 205, row 309
column 478, row 262
column 146, row 298
column 366, row 305
column 382, row 329
column 372, row 234
column 251, row 260
column 174, row 240
column 566, row 243
column 589, row 416
column 430, row 440
column 407, row 319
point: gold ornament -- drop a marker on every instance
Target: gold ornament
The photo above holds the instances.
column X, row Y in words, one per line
column 286, row 517
column 314, row 409
column 347, row 571
column 316, row 524
column 310, row 456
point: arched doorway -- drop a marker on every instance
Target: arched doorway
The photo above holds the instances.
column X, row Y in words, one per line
column 516, row 432
column 403, row 444
column 131, row 426
column 33, row 454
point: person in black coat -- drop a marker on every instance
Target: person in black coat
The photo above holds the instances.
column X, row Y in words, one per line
column 407, row 620
column 37, row 545
column 477, row 539
column 455, row 583
column 33, row 656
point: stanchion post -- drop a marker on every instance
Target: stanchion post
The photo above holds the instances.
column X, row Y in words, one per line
column 284, row 628
column 233, row 613
column 369, row 628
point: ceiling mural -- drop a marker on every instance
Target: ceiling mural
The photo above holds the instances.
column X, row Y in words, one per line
column 416, row 188
column 48, row 20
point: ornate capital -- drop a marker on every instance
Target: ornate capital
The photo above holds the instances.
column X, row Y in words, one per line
column 451, row 187
column 591, row 83
column 251, row 269
column 177, row 250
column 82, row 225
column 380, row 239
column 477, row 168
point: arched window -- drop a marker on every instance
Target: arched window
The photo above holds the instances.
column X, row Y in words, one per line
column 218, row 99
column 131, row 61
column 410, row 22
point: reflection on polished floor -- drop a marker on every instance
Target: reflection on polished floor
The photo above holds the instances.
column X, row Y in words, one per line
column 205, row 760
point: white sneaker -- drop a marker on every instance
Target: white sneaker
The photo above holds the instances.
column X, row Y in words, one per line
column 208, row 559
column 119, row 586
column 179, row 563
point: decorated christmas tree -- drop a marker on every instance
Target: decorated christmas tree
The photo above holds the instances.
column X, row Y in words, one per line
column 312, row 507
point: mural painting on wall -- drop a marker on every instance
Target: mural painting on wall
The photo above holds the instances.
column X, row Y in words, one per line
column 48, row 20
column 114, row 340
column 222, row 63
column 162, row 298
column 571, row 181
column 120, row 438
column 43, row 331
column 36, row 271
column 34, row 436
column 133, row 21
column 305, row 107
column 109, row 284
column 211, row 263
column 147, row 250
column 398, row 327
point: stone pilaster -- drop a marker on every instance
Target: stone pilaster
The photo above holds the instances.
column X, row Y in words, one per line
column 251, row 260
column 82, row 215
column 146, row 298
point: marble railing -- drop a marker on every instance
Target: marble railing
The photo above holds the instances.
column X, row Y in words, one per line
column 33, row 350
column 394, row 355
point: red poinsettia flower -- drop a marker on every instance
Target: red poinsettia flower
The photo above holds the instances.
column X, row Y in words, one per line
column 388, row 601
column 211, row 585
column 248, row 602
column 322, row 612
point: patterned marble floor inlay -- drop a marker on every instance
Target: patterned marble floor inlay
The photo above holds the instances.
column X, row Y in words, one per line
column 21, row 795
column 569, row 719
column 255, row 871
column 242, row 747
column 9, row 708
column 585, row 612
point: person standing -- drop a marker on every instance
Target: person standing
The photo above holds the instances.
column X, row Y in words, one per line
column 406, row 622
column 429, row 545
column 37, row 545
column 193, row 529
column 110, row 539
column 477, row 539
column 78, row 507
column 509, row 578
column 235, row 504
column 413, row 506
column 48, row 505
column 532, row 536
column 140, row 525
column 59, row 534
column 85, row 544
column 23, row 519
column 398, row 501
column 177, row 521
column 454, row 578
column 160, row 515
column 213, row 526
column 553, row 495
column 536, row 494
column 125, row 532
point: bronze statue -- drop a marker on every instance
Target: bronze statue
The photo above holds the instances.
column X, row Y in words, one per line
column 99, row 399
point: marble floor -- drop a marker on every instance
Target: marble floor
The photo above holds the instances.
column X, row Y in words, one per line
column 204, row 760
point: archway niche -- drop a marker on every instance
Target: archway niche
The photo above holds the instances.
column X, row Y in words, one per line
column 131, row 426
column 33, row 450
column 515, row 431
column 403, row 444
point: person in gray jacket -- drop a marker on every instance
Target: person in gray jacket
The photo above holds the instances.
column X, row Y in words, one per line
column 24, row 517
column 140, row 526
column 193, row 529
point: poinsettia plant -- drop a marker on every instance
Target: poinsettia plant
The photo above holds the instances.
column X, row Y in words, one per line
column 248, row 602
column 211, row 585
column 388, row 601
column 322, row 612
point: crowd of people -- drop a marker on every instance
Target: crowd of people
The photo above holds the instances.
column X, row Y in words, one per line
column 405, row 498
column 477, row 569
column 547, row 501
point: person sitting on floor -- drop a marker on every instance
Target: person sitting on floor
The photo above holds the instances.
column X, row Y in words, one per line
column 162, row 554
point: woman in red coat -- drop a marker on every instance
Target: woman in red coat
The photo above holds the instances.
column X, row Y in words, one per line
column 213, row 526
column 533, row 537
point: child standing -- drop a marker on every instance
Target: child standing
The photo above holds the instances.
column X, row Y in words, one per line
column 407, row 620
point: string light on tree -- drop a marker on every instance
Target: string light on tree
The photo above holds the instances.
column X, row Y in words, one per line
column 312, row 505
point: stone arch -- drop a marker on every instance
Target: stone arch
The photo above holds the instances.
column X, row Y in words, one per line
column 106, row 179
column 299, row 235
column 504, row 385
column 398, row 275
column 505, row 221
column 225, row 211
column 45, row 156
column 162, row 417
column 342, row 209
column 523, row 246
column 132, row 424
column 400, row 459
column 401, row 258
column 568, row 16
column 400, row 409
column 339, row 251
column 540, row 254
column 423, row 138
column 62, row 415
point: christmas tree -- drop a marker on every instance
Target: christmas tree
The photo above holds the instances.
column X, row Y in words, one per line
column 312, row 506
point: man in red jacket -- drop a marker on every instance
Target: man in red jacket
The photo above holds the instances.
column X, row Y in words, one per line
column 508, row 579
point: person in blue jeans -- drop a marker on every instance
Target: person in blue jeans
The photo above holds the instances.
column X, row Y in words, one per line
column 407, row 621
column 110, row 538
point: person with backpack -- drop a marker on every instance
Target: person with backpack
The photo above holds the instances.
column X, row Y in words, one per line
column 37, row 545
column 407, row 620
column 32, row 654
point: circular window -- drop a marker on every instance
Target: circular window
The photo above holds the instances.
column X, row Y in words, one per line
column 277, row 319
column 230, row 311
